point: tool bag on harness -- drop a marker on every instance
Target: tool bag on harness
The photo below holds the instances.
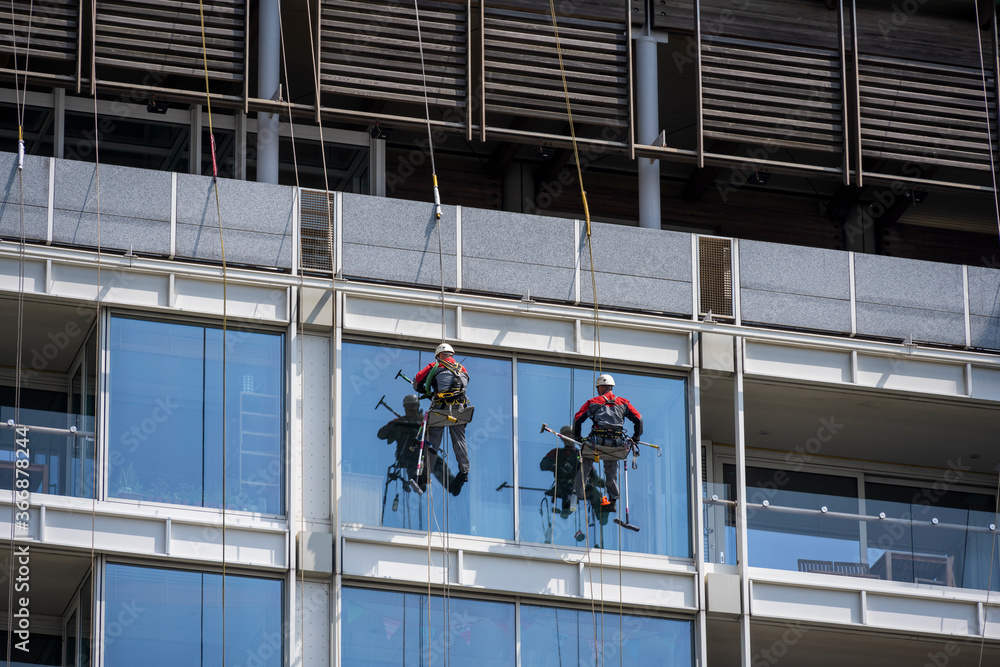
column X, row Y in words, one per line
column 610, row 445
column 446, row 385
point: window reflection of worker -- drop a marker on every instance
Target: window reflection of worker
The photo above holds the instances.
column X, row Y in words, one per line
column 444, row 382
column 607, row 437
column 405, row 432
column 568, row 482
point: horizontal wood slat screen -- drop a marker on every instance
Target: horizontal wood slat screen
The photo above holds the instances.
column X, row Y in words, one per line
column 522, row 65
column 54, row 36
column 761, row 93
column 163, row 37
column 926, row 113
column 370, row 50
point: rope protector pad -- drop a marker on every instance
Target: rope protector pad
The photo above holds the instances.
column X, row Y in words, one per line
column 20, row 154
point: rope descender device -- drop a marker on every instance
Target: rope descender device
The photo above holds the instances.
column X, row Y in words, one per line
column 437, row 199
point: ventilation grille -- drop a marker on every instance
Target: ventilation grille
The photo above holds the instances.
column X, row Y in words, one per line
column 715, row 260
column 316, row 229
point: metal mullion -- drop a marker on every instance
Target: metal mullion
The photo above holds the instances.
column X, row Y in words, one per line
column 857, row 92
column 514, row 425
column 701, row 116
column 846, row 161
column 698, row 519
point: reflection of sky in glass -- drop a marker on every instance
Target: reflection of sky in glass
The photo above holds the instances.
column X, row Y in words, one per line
column 658, row 488
column 372, row 484
column 563, row 637
column 165, row 417
column 165, row 618
column 385, row 628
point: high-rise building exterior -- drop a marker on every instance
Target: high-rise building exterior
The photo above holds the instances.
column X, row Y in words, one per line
column 213, row 305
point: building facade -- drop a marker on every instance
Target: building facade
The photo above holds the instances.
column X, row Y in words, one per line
column 203, row 443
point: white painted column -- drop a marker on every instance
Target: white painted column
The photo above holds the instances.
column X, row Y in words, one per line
column 741, row 510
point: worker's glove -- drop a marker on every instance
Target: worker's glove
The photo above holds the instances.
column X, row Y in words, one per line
column 634, row 441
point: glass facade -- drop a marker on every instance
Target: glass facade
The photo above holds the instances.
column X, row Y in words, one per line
column 379, row 453
column 658, row 486
column 389, row 628
column 554, row 637
column 376, row 467
column 166, row 415
column 929, row 534
column 159, row 617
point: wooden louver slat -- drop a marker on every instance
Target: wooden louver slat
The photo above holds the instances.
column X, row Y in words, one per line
column 370, row 49
column 522, row 74
column 761, row 93
column 165, row 36
column 53, row 36
column 925, row 112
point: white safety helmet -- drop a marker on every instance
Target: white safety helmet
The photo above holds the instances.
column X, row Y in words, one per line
column 605, row 381
column 444, row 347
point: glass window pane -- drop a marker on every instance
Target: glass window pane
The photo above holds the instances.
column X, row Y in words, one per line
column 658, row 488
column 954, row 552
column 380, row 452
column 562, row 637
column 387, row 628
column 169, row 617
column 165, row 417
column 781, row 540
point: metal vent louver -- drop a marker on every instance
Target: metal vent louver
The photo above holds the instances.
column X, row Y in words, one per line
column 316, row 229
column 715, row 261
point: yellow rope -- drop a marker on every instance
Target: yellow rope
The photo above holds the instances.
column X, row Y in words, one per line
column 598, row 366
column 222, row 248
column 583, row 192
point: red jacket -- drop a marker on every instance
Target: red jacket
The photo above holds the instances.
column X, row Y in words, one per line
column 608, row 412
column 421, row 377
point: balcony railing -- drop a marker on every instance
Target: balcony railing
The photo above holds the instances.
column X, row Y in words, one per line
column 59, row 449
column 887, row 540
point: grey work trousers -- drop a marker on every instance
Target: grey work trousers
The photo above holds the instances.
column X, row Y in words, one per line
column 610, row 476
column 458, row 445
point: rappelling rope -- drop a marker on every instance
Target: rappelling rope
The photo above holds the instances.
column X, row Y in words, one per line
column 446, row 542
column 322, row 143
column 301, row 339
column 225, row 327
column 17, row 363
column 593, row 286
column 996, row 209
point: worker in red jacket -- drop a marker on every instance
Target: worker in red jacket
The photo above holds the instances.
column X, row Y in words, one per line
column 607, row 437
column 444, row 381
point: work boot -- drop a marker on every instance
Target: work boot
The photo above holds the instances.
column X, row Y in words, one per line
column 456, row 484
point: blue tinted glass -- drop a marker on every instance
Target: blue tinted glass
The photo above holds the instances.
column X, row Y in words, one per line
column 564, row 637
column 379, row 450
column 383, row 628
column 58, row 464
column 165, row 415
column 167, row 617
column 658, row 489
